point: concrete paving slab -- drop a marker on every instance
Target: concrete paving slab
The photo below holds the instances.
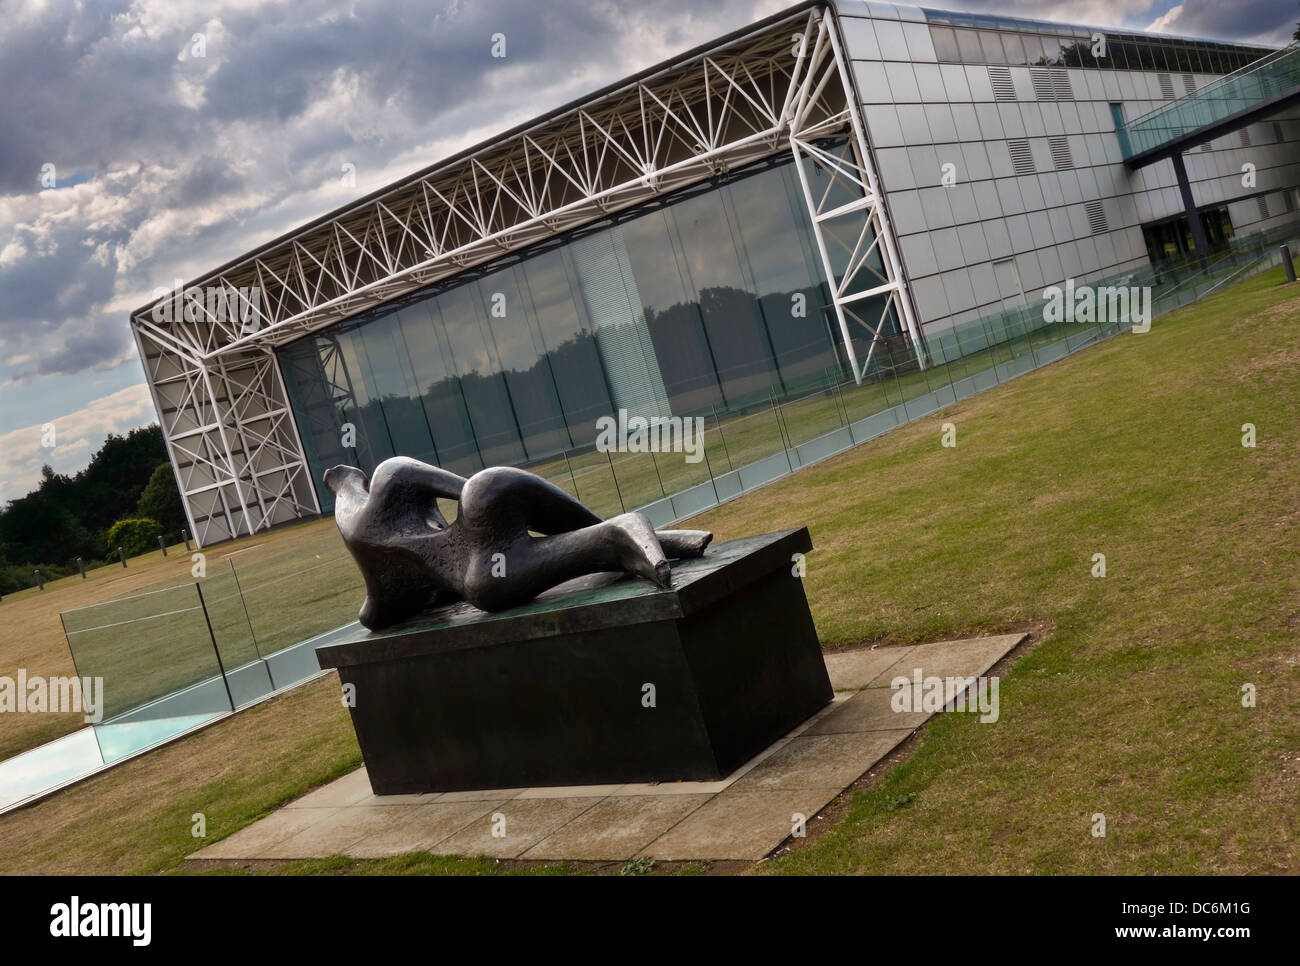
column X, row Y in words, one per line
column 739, row 825
column 527, row 822
column 479, row 795
column 616, row 829
column 964, row 658
column 857, row 669
column 671, row 788
column 422, row 799
column 348, row 790
column 420, row 829
column 569, row 791
column 868, row 710
column 252, row 841
column 820, row 761
column 335, row 832
column 837, row 699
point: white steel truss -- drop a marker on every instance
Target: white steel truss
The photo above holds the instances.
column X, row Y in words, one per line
column 854, row 238
column 211, row 366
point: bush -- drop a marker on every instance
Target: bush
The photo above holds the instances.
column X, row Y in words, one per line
column 11, row 579
column 161, row 500
column 16, row 577
column 136, row 536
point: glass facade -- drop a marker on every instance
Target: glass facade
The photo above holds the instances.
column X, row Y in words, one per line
column 976, row 38
column 711, row 300
column 1170, row 239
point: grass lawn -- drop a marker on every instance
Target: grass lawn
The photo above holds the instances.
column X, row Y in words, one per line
column 1130, row 708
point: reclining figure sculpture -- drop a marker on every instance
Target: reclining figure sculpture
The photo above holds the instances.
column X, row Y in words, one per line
column 413, row 559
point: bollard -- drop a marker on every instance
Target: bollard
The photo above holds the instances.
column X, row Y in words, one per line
column 162, row 546
column 40, row 584
column 121, row 556
column 185, row 538
column 82, row 567
column 1287, row 263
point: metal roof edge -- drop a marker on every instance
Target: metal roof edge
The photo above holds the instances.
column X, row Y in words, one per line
column 468, row 152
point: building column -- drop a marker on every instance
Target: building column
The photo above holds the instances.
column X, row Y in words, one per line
column 1189, row 205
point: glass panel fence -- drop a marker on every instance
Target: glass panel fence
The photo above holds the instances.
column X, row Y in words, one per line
column 159, row 669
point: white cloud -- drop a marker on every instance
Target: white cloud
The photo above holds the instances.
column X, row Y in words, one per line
column 1166, row 20
column 1258, row 21
column 77, row 435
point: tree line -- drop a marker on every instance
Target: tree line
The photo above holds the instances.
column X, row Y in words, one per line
column 67, row 517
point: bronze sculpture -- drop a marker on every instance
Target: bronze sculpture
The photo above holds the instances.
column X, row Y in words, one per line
column 413, row 559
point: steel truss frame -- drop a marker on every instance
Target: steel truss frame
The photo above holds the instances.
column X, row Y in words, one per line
column 212, row 370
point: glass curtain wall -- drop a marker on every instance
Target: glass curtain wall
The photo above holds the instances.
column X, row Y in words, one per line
column 712, row 300
column 981, row 38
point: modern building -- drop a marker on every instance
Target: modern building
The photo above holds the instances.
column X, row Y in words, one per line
column 826, row 195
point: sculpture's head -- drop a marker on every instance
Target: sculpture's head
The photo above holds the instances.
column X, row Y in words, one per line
column 340, row 478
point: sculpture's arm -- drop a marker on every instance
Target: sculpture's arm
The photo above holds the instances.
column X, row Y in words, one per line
column 406, row 473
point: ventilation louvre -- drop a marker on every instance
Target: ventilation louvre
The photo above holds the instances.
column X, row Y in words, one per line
column 1166, row 86
column 1000, row 80
column 1277, row 132
column 1189, row 83
column 1096, row 217
column 1205, row 147
column 1262, row 202
column 1062, row 159
column 1022, row 159
column 1245, row 137
column 1051, row 83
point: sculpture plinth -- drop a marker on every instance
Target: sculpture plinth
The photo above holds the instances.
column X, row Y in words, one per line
column 603, row 680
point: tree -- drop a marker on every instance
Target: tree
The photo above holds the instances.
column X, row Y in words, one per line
column 58, row 520
column 161, row 500
column 110, row 486
column 37, row 529
column 10, row 582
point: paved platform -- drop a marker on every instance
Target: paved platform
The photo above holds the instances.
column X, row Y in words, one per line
column 744, row 816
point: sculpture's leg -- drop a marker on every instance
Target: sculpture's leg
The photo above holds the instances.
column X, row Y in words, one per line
column 521, row 499
column 684, row 544
column 499, row 507
column 545, row 508
column 507, row 574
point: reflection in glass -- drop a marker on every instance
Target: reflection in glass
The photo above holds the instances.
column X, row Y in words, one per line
column 672, row 313
column 992, row 44
column 945, row 44
column 566, row 336
column 778, row 252
column 969, row 42
column 473, row 359
column 613, row 305
column 523, row 361
column 387, row 364
column 708, row 301
column 742, row 352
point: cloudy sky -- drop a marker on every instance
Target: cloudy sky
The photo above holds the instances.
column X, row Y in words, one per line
column 167, row 164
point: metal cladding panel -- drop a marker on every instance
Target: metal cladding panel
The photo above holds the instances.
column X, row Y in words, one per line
column 1066, row 209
